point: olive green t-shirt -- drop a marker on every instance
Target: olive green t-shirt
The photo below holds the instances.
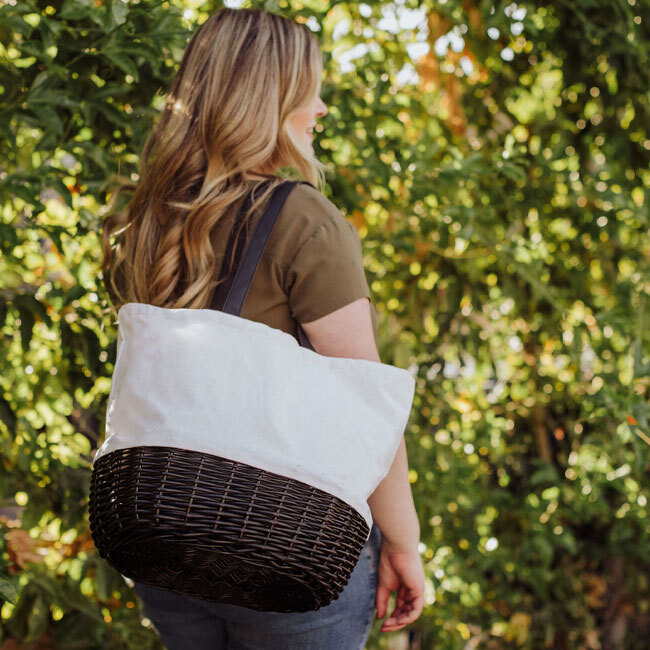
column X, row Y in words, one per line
column 312, row 263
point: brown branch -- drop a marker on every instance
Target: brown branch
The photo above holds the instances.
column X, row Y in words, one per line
column 541, row 434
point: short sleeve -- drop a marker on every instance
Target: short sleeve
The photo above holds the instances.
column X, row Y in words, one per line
column 327, row 271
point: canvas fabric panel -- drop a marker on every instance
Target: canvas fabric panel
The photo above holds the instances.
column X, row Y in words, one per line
column 213, row 382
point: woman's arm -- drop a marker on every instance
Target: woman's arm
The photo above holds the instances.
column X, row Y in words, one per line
column 392, row 505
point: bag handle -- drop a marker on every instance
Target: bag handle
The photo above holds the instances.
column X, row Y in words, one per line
column 229, row 296
column 223, row 288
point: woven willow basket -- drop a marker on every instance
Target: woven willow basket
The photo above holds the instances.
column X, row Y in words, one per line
column 221, row 530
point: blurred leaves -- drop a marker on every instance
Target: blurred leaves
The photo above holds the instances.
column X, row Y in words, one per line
column 495, row 159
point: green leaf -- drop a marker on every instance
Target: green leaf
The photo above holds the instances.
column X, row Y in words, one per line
column 74, row 293
column 24, row 192
column 7, row 415
column 42, row 78
column 61, row 188
column 109, row 90
column 8, row 237
column 88, row 220
column 77, row 601
column 29, row 302
column 54, row 233
column 55, row 98
column 50, row 119
column 95, row 153
column 513, row 172
column 119, row 12
column 6, row 131
column 23, row 7
column 76, row 9
column 544, row 549
column 27, row 322
column 545, row 474
column 111, row 113
column 103, row 579
column 121, row 61
column 49, row 584
column 8, row 588
column 37, row 618
column 18, row 25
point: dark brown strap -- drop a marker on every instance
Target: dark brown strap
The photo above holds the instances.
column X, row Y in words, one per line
column 225, row 283
column 230, row 295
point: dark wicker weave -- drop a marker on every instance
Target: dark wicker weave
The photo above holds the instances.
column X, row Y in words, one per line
column 224, row 531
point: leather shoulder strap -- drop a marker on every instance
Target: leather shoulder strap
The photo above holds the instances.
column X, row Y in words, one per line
column 232, row 297
column 227, row 276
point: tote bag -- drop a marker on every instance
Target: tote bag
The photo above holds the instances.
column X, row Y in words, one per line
column 211, row 382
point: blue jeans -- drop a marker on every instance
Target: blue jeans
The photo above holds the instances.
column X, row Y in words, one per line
column 188, row 623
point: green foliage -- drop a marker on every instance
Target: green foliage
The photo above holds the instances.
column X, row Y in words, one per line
column 503, row 204
column 82, row 85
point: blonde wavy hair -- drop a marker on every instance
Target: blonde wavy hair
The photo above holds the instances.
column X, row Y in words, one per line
column 243, row 74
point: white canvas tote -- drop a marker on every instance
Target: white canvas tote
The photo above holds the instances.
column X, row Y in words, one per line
column 212, row 382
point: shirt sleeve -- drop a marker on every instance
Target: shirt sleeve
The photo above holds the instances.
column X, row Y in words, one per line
column 327, row 271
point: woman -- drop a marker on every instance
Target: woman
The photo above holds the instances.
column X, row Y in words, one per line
column 243, row 104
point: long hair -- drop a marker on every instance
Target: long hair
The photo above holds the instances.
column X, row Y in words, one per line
column 243, row 73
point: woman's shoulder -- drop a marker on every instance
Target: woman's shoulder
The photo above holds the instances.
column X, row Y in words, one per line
column 306, row 212
column 323, row 254
column 304, row 197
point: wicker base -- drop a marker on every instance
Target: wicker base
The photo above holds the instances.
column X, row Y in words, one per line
column 224, row 531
